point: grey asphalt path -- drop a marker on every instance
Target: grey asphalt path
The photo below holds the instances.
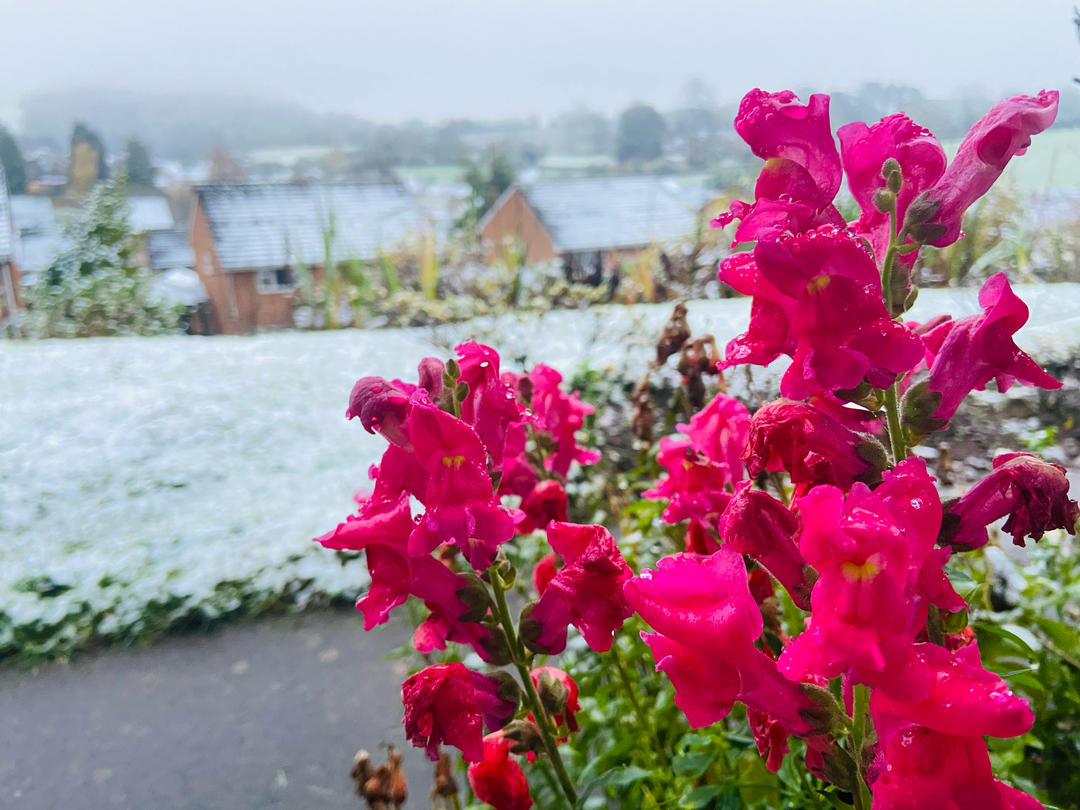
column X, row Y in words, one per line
column 266, row 714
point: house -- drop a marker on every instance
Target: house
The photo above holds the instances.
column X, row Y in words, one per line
column 9, row 271
column 592, row 224
column 249, row 241
column 38, row 237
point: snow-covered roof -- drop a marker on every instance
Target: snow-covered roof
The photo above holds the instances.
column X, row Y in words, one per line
column 611, row 212
column 38, row 238
column 169, row 249
column 272, row 225
column 7, row 234
column 149, row 213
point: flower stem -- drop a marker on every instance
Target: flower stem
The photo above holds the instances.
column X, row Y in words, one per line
column 861, row 701
column 543, row 721
column 896, row 431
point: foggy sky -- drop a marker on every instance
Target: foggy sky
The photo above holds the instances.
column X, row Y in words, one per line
column 389, row 61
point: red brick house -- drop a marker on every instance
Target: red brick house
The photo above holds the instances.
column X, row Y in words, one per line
column 248, row 240
column 9, row 271
column 592, row 223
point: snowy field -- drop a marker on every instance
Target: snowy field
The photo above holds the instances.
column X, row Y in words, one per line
column 149, row 481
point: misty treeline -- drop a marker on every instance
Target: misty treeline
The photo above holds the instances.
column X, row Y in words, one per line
column 698, row 129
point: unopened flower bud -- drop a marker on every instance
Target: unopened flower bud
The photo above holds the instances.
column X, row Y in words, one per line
column 921, row 211
column 917, row 410
column 890, row 171
column 827, row 716
column 496, row 648
column 453, row 373
column 525, row 735
column 552, row 693
column 531, row 632
column 884, row 200
column 927, row 231
column 474, row 595
column 507, row 689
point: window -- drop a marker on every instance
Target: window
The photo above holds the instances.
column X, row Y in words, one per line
column 276, row 280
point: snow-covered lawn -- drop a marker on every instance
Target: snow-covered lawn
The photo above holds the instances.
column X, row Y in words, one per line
column 145, row 481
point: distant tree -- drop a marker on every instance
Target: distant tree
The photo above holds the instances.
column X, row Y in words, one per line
column 641, row 134
column 487, row 180
column 140, row 172
column 87, row 159
column 11, row 161
column 94, row 287
column 582, row 132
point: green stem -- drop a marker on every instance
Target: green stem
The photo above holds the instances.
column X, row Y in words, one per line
column 543, row 722
column 861, row 702
column 890, row 260
column 896, row 433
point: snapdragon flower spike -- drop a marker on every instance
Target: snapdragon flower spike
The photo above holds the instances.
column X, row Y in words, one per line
column 586, row 592
column 706, row 623
column 381, row 406
column 449, row 703
column 758, row 525
column 980, row 348
column 461, row 505
column 1032, row 493
column 497, row 778
column 923, row 768
column 811, row 446
column 864, row 150
column 1003, row 133
column 561, row 416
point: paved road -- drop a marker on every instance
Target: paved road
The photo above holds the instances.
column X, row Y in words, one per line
column 261, row 715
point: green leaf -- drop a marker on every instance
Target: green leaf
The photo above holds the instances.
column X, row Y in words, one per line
column 700, row 796
column 630, row 775
column 692, row 764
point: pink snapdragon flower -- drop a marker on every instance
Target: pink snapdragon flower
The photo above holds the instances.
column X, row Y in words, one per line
column 497, row 778
column 758, row 525
column 980, row 348
column 461, row 503
column 811, row 446
column 873, row 552
column 563, row 679
column 963, row 696
column 560, row 415
column 696, row 487
column 1032, row 493
column 586, row 592
column 706, row 623
column 817, row 297
column 924, row 768
column 491, row 404
column 449, row 703
column 381, row 406
column 545, row 502
column 719, row 431
column 1004, row 132
column 865, row 148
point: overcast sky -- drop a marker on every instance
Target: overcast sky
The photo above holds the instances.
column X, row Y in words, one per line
column 395, row 59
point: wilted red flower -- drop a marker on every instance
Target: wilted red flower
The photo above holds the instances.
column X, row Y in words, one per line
column 1005, row 131
column 1033, row 493
column 980, row 348
column 448, row 703
column 544, row 503
column 586, row 592
column 770, row 737
column 497, row 778
column 810, row 445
